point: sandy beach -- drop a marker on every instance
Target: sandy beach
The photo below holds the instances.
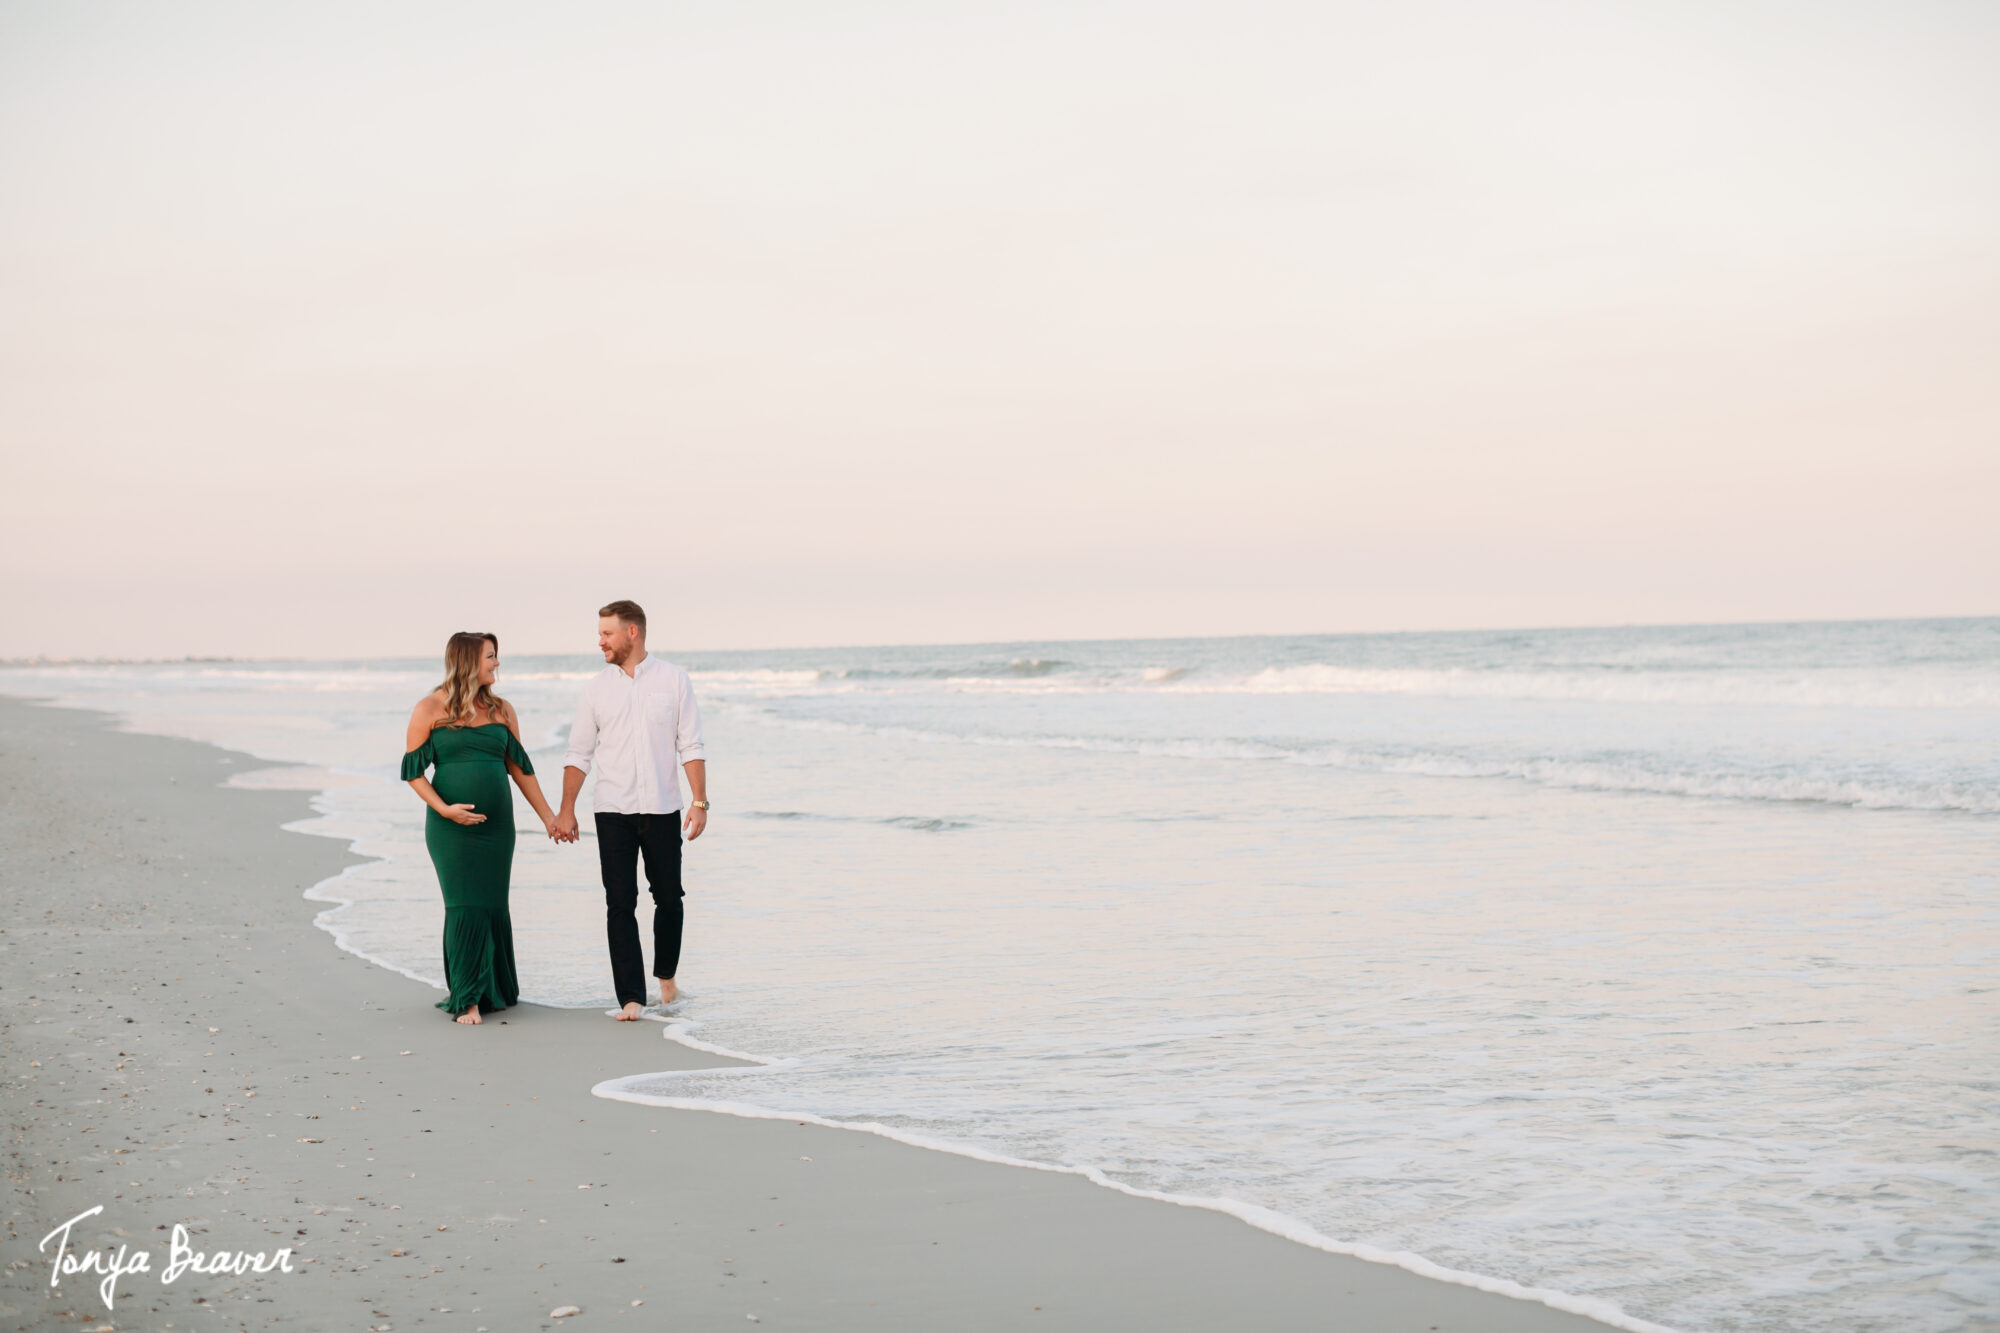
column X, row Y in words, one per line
column 184, row 1048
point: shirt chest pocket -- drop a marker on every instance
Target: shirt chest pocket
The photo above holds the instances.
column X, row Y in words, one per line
column 658, row 710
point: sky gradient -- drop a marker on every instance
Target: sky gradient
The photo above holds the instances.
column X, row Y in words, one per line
column 329, row 329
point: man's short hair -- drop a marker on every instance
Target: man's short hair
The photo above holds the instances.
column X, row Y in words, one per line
column 628, row 612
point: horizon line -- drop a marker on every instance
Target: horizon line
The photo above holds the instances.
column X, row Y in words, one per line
column 49, row 659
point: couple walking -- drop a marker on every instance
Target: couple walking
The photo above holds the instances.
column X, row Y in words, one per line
column 635, row 721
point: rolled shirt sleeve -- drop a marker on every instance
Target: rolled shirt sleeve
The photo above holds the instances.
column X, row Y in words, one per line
column 582, row 736
column 687, row 731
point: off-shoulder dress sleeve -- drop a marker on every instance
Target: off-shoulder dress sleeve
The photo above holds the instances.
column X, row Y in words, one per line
column 419, row 759
column 518, row 756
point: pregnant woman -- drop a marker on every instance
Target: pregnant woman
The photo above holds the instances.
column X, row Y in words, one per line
column 471, row 742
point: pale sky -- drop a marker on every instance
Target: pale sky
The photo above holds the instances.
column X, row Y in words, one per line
column 328, row 329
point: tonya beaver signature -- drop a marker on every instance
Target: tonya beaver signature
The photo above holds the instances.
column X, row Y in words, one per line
column 181, row 1258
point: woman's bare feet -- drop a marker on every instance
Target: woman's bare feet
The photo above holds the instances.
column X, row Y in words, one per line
column 630, row 1013
column 470, row 1016
column 669, row 992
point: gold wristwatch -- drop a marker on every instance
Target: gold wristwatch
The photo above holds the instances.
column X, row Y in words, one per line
column 699, row 805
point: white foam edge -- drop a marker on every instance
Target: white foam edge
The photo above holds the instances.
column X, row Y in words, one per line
column 1264, row 1219
column 322, row 892
column 681, row 1029
column 299, row 777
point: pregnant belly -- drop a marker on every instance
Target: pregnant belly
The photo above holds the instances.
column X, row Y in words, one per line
column 484, row 786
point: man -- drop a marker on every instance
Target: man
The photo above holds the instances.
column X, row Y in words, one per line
column 636, row 718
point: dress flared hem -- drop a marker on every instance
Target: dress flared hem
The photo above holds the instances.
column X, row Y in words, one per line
column 479, row 960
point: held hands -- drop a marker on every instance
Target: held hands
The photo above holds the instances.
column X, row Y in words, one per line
column 462, row 814
column 562, row 827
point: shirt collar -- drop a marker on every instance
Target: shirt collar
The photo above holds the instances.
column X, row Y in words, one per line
column 644, row 668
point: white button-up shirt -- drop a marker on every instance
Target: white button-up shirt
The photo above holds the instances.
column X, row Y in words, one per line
column 637, row 729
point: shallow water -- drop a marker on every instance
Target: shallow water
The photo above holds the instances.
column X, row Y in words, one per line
column 1651, row 965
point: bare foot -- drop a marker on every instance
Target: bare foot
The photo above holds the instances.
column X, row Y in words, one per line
column 668, row 991
column 630, row 1013
column 470, row 1016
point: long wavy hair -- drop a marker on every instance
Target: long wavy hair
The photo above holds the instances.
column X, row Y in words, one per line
column 462, row 690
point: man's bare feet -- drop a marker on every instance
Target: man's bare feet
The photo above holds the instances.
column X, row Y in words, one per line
column 668, row 991
column 630, row 1013
column 470, row 1015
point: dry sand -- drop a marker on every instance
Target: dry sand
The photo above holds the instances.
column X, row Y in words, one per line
column 182, row 1046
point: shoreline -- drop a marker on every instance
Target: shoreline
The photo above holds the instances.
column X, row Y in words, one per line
column 1283, row 1225
column 867, row 1232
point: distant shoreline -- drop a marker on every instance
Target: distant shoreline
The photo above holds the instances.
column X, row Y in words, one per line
column 46, row 660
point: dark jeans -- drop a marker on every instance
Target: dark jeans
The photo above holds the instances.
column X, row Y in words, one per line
column 621, row 841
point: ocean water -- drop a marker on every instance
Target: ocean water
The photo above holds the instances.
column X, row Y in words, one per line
column 1656, row 970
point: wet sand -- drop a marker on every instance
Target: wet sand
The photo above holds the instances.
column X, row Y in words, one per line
column 183, row 1047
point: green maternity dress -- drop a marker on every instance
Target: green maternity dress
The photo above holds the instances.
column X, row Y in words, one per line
column 473, row 861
